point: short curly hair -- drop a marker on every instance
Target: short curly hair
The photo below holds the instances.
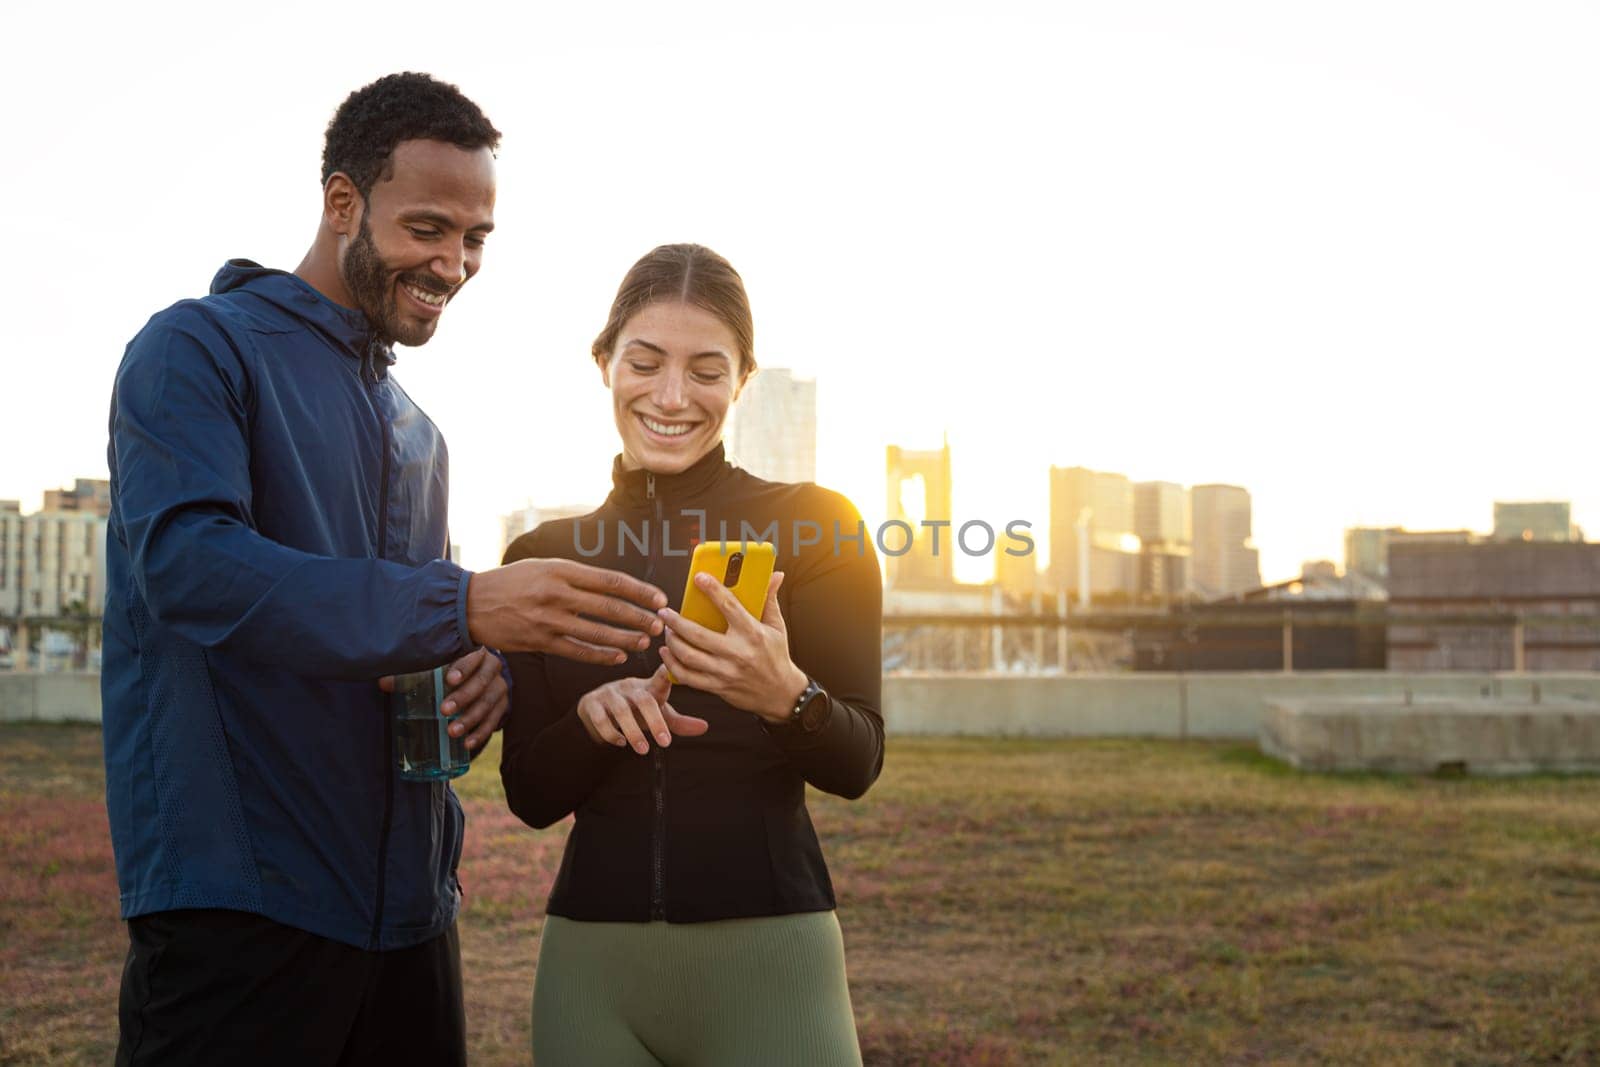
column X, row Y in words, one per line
column 399, row 107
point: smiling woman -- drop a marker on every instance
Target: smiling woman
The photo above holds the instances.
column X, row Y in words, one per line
column 693, row 861
column 677, row 348
column 669, row 395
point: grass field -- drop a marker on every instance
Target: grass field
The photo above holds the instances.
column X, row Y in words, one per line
column 1013, row 902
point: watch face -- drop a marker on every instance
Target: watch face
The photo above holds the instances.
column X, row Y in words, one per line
column 814, row 712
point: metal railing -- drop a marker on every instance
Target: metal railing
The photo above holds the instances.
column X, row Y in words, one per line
column 1104, row 639
column 1092, row 640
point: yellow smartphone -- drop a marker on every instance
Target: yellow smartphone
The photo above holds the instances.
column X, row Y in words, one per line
column 745, row 567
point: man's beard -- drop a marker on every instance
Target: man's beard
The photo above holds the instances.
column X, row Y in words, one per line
column 373, row 286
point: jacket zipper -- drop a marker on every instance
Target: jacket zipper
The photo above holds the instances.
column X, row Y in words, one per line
column 388, row 724
column 658, row 757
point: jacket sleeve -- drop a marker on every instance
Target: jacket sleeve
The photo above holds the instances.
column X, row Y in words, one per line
column 548, row 764
column 835, row 622
column 182, row 507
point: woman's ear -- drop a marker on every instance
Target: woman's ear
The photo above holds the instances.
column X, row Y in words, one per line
column 605, row 370
column 744, row 379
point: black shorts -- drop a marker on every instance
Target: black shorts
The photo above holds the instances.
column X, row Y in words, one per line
column 215, row 987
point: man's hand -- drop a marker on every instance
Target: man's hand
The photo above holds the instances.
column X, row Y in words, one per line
column 749, row 666
column 626, row 711
column 551, row 605
column 477, row 698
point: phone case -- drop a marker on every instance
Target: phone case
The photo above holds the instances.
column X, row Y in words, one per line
column 713, row 557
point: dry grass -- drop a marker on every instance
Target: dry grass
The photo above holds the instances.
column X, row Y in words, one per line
column 1014, row 902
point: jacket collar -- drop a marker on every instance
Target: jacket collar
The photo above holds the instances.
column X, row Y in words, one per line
column 632, row 488
column 347, row 328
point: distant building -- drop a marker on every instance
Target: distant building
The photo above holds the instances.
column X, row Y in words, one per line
column 1437, row 584
column 1318, row 581
column 920, row 491
column 1161, row 513
column 1164, row 570
column 10, row 558
column 773, row 427
column 1161, row 522
column 1225, row 562
column 87, row 494
column 519, row 522
column 1017, row 576
column 1547, row 520
column 1366, row 548
column 1092, row 526
column 1319, row 570
column 63, row 563
column 1366, row 551
column 53, row 562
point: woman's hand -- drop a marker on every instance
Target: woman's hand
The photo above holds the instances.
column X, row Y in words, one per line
column 628, row 710
column 749, row 666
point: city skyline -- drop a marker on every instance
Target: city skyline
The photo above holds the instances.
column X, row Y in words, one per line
column 487, row 550
column 1149, row 506
column 1242, row 243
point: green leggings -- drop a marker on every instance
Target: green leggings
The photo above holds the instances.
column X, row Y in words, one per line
column 767, row 991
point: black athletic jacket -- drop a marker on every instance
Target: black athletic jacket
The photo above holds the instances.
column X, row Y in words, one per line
column 712, row 827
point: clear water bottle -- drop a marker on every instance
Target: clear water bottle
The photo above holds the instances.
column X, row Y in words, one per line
column 423, row 748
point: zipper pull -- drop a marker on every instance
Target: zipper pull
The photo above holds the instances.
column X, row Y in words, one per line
column 650, row 485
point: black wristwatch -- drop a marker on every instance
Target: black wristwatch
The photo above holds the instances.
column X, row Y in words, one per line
column 811, row 710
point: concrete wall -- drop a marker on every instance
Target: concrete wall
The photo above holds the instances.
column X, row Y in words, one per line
column 29, row 697
column 1146, row 704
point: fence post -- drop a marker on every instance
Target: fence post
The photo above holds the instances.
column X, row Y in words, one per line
column 1061, row 632
column 1288, row 643
column 1519, row 645
column 1038, row 636
column 997, row 652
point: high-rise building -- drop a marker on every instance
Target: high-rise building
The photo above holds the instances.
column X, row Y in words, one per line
column 1092, row 525
column 772, row 429
column 1161, row 513
column 1224, row 561
column 1164, row 570
column 919, row 493
column 526, row 518
column 1161, row 521
column 1542, row 520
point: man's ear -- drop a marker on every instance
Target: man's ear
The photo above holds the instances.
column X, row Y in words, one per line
column 342, row 205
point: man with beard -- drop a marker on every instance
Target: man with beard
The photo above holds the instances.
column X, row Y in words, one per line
column 275, row 546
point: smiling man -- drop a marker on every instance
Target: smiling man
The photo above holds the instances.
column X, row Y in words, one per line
column 276, row 546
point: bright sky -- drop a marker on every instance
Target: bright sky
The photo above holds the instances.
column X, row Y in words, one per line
column 1345, row 256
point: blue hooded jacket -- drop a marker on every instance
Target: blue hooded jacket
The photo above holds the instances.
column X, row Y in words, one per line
column 275, row 541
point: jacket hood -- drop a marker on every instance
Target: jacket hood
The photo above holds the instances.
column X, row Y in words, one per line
column 348, row 328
